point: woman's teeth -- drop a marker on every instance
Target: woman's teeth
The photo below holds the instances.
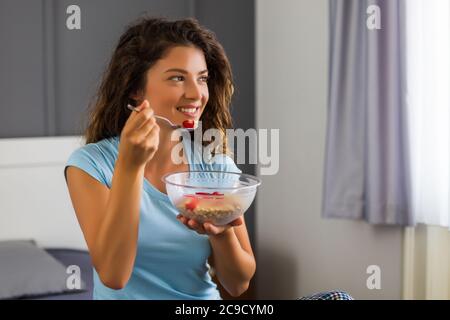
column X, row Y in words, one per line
column 188, row 110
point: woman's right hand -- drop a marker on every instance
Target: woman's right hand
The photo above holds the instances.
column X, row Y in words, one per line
column 139, row 139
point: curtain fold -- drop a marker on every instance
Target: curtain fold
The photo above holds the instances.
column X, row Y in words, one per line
column 367, row 164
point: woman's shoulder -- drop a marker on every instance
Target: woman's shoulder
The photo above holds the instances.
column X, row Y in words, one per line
column 100, row 150
column 97, row 159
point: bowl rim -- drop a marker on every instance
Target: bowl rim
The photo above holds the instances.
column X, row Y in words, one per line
column 258, row 180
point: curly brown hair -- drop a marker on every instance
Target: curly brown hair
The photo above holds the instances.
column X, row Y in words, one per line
column 140, row 46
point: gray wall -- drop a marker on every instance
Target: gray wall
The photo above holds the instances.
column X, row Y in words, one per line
column 22, row 91
column 300, row 253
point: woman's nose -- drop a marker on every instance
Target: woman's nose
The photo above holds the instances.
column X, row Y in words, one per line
column 193, row 91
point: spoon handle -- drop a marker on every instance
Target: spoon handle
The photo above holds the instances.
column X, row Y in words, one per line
column 174, row 126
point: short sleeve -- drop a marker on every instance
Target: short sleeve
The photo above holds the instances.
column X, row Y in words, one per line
column 89, row 159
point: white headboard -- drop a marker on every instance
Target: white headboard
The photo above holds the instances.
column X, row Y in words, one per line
column 34, row 200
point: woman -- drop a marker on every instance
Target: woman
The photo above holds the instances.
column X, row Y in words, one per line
column 141, row 248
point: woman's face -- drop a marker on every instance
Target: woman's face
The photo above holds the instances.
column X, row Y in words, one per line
column 177, row 85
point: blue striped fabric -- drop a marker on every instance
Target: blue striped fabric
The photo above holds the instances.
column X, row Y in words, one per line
column 328, row 295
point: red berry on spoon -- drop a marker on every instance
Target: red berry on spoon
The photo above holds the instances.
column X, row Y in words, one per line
column 189, row 124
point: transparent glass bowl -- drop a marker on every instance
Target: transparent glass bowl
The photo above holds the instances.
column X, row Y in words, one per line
column 211, row 196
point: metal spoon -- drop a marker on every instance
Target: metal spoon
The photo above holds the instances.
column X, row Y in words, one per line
column 173, row 126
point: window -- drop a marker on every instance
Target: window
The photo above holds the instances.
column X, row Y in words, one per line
column 428, row 96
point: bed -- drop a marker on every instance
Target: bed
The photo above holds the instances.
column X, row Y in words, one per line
column 72, row 257
column 35, row 206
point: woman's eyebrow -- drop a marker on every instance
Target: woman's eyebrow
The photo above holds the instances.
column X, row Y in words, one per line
column 184, row 71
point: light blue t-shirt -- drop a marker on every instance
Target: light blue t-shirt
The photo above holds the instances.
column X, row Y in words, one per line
column 171, row 261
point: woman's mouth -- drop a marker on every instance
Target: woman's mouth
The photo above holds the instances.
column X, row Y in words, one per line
column 189, row 111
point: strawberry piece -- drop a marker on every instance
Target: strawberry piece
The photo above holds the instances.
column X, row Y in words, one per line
column 188, row 124
column 191, row 205
column 215, row 193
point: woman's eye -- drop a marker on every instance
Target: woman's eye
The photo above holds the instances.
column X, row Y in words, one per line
column 180, row 78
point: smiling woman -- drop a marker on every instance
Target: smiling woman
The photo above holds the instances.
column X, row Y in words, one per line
column 140, row 249
column 171, row 58
column 182, row 92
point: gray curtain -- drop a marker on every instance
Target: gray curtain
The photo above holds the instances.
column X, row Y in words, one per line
column 366, row 166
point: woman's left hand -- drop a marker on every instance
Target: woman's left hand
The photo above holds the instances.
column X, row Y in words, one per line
column 207, row 227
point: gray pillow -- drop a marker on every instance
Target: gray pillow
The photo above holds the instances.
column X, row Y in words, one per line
column 27, row 270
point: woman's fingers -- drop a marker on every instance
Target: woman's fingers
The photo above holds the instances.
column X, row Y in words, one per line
column 144, row 124
column 214, row 230
column 237, row 222
column 207, row 228
column 147, row 127
column 196, row 226
column 143, row 119
column 192, row 224
column 142, row 114
column 143, row 105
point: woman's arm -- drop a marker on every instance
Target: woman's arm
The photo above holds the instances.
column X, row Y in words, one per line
column 233, row 260
column 109, row 220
